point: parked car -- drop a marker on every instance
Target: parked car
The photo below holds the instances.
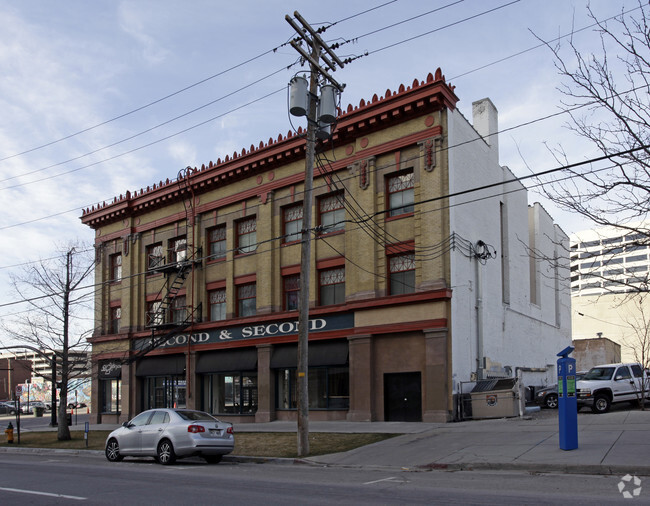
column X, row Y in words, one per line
column 168, row 434
column 8, row 408
column 608, row 384
column 78, row 405
column 547, row 397
column 29, row 407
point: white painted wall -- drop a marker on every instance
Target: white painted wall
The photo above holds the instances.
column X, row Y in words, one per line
column 515, row 333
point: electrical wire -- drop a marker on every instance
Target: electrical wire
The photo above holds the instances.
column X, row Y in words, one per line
column 462, row 242
column 185, row 114
column 180, row 91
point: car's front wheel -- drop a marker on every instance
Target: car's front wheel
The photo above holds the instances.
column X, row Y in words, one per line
column 113, row 451
column 551, row 401
column 601, row 404
column 165, row 454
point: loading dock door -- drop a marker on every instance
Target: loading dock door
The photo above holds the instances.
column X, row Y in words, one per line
column 403, row 397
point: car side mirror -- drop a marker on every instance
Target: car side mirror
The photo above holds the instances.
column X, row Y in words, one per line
column 126, row 424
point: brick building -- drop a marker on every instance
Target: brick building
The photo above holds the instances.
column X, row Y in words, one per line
column 416, row 285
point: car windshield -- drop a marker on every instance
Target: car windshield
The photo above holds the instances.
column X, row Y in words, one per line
column 196, row 416
column 599, row 373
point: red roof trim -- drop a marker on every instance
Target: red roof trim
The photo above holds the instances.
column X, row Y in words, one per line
column 418, row 99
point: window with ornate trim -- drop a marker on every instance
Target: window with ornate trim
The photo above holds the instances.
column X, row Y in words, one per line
column 116, row 267
column 400, row 193
column 291, row 292
column 331, row 212
column 217, row 301
column 217, row 242
column 401, row 273
column 154, row 314
column 246, row 300
column 332, row 286
column 247, row 235
column 292, row 218
column 178, row 249
column 155, row 255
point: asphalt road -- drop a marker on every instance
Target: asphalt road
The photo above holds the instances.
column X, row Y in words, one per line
column 62, row 478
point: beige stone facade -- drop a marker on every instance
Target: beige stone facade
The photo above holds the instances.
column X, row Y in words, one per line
column 379, row 349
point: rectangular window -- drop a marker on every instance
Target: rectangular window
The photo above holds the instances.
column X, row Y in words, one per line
column 116, row 316
column 110, row 396
column 155, row 257
column 155, row 314
column 246, row 300
column 247, row 235
column 329, row 388
column 402, row 273
column 291, row 292
column 331, row 210
column 116, row 267
column 400, row 193
column 217, row 304
column 178, row 250
column 179, row 309
column 217, row 242
column 292, row 218
column 231, row 393
column 332, row 286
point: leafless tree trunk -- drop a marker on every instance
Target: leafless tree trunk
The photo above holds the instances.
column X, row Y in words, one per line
column 638, row 340
column 57, row 298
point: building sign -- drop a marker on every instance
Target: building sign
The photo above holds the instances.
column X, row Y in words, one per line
column 110, row 369
column 245, row 332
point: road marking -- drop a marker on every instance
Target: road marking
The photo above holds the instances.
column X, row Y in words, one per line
column 33, row 492
column 392, row 478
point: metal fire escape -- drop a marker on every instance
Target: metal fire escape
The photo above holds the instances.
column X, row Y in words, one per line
column 179, row 263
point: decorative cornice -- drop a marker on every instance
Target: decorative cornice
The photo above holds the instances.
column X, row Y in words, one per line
column 422, row 97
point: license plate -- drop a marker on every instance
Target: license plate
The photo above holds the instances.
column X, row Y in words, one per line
column 215, row 432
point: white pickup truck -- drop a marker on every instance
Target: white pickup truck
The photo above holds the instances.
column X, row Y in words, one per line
column 607, row 384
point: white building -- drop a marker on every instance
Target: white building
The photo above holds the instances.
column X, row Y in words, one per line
column 608, row 267
column 511, row 308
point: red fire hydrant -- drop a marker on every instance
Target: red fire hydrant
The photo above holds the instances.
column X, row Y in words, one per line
column 9, row 431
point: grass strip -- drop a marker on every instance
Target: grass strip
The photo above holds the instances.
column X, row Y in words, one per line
column 254, row 444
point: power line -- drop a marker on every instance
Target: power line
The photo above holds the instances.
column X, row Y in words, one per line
column 197, row 109
column 371, row 216
column 178, row 92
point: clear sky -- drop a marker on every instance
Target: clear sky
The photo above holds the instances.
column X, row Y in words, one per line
column 99, row 97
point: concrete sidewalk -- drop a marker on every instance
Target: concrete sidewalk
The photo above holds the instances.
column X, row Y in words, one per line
column 613, row 443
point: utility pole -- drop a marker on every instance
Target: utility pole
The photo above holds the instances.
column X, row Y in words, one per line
column 314, row 109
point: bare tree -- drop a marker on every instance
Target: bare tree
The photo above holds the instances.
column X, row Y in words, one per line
column 54, row 323
column 638, row 340
column 606, row 96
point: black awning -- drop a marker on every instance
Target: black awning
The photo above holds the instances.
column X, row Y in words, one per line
column 227, row 360
column 161, row 366
column 321, row 353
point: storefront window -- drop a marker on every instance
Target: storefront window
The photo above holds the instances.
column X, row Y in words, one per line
column 329, row 388
column 230, row 393
column 164, row 392
column 110, row 396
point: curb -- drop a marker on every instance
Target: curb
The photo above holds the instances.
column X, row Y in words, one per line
column 591, row 469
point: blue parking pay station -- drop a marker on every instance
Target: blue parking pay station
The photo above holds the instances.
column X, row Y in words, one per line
column 567, row 401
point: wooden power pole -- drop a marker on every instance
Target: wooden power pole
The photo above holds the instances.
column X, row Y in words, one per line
column 317, row 48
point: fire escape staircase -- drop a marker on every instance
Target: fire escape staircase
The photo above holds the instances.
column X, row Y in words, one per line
column 159, row 320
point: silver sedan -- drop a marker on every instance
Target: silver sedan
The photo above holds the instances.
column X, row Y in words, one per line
column 168, row 434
